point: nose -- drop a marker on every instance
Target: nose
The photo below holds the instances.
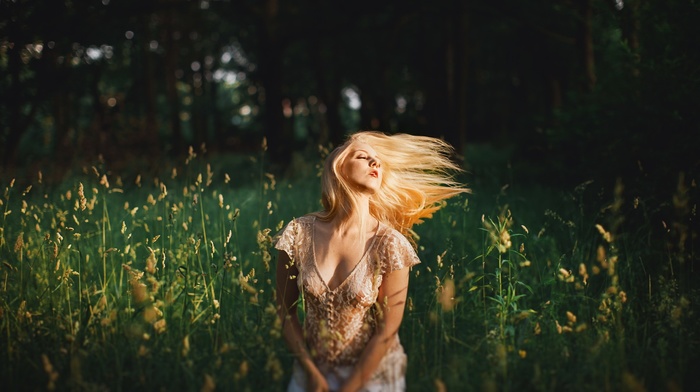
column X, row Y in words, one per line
column 374, row 163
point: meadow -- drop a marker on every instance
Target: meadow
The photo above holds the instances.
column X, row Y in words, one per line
column 121, row 280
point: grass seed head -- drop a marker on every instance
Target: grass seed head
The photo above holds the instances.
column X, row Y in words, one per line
column 19, row 243
column 151, row 262
column 50, row 372
column 446, row 295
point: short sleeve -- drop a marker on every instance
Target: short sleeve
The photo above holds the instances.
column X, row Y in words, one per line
column 397, row 253
column 285, row 240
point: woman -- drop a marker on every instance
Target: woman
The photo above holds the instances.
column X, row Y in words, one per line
column 350, row 262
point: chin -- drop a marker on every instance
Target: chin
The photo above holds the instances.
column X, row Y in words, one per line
column 372, row 191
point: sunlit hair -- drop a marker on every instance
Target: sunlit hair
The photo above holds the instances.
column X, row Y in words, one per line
column 417, row 178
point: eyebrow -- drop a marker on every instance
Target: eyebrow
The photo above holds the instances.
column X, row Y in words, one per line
column 362, row 151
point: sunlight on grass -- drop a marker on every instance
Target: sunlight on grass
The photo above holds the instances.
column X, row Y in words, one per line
column 165, row 282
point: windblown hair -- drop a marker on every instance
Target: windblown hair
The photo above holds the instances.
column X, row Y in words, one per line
column 417, row 178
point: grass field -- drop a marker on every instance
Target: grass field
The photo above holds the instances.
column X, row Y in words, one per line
column 135, row 281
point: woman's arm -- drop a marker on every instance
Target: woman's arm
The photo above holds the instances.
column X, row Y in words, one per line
column 392, row 299
column 287, row 297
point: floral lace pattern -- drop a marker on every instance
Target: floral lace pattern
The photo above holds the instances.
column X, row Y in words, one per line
column 339, row 322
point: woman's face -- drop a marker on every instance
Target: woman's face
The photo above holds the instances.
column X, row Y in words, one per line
column 362, row 169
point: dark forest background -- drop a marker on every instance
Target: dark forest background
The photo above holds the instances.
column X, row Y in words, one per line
column 579, row 116
column 571, row 88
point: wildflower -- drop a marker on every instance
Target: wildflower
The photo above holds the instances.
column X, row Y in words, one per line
column 138, row 291
column 50, row 372
column 191, row 155
column 151, row 262
column 623, row 297
column 606, row 234
column 274, row 367
column 271, row 177
column 440, row 385
column 676, row 314
column 210, row 174
column 504, row 241
column 185, row 345
column 209, row 384
column 150, row 314
column 632, row 383
column 243, row 368
column 565, row 276
column 82, row 201
column 163, row 191
column 446, row 295
column 160, row 326
column 19, row 243
column 264, row 240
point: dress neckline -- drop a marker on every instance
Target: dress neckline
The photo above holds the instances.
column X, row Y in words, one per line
column 352, row 271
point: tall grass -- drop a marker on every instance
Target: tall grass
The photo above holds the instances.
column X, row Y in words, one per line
column 166, row 283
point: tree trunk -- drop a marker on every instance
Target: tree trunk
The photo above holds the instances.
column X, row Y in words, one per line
column 586, row 43
column 101, row 127
column 14, row 100
column 461, row 75
column 630, row 32
column 198, row 109
column 329, row 93
column 150, row 127
column 171, row 66
column 278, row 135
column 213, row 110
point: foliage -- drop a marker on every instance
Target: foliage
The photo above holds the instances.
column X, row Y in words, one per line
column 155, row 76
column 165, row 282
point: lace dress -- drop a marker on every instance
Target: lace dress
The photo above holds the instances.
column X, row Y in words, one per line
column 339, row 322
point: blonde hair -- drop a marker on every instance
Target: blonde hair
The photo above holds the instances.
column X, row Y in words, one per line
column 418, row 177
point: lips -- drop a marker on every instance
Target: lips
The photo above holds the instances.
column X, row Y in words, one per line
column 374, row 173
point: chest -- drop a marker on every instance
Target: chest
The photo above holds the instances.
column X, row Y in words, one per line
column 335, row 259
column 339, row 272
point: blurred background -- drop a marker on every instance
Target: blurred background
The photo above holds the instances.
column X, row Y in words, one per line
column 565, row 89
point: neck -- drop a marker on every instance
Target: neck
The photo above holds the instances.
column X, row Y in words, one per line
column 360, row 216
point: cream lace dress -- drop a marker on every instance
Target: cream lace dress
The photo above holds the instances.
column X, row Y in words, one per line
column 339, row 322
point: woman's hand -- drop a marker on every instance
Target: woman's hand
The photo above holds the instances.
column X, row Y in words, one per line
column 346, row 388
column 315, row 382
column 287, row 297
column 392, row 297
